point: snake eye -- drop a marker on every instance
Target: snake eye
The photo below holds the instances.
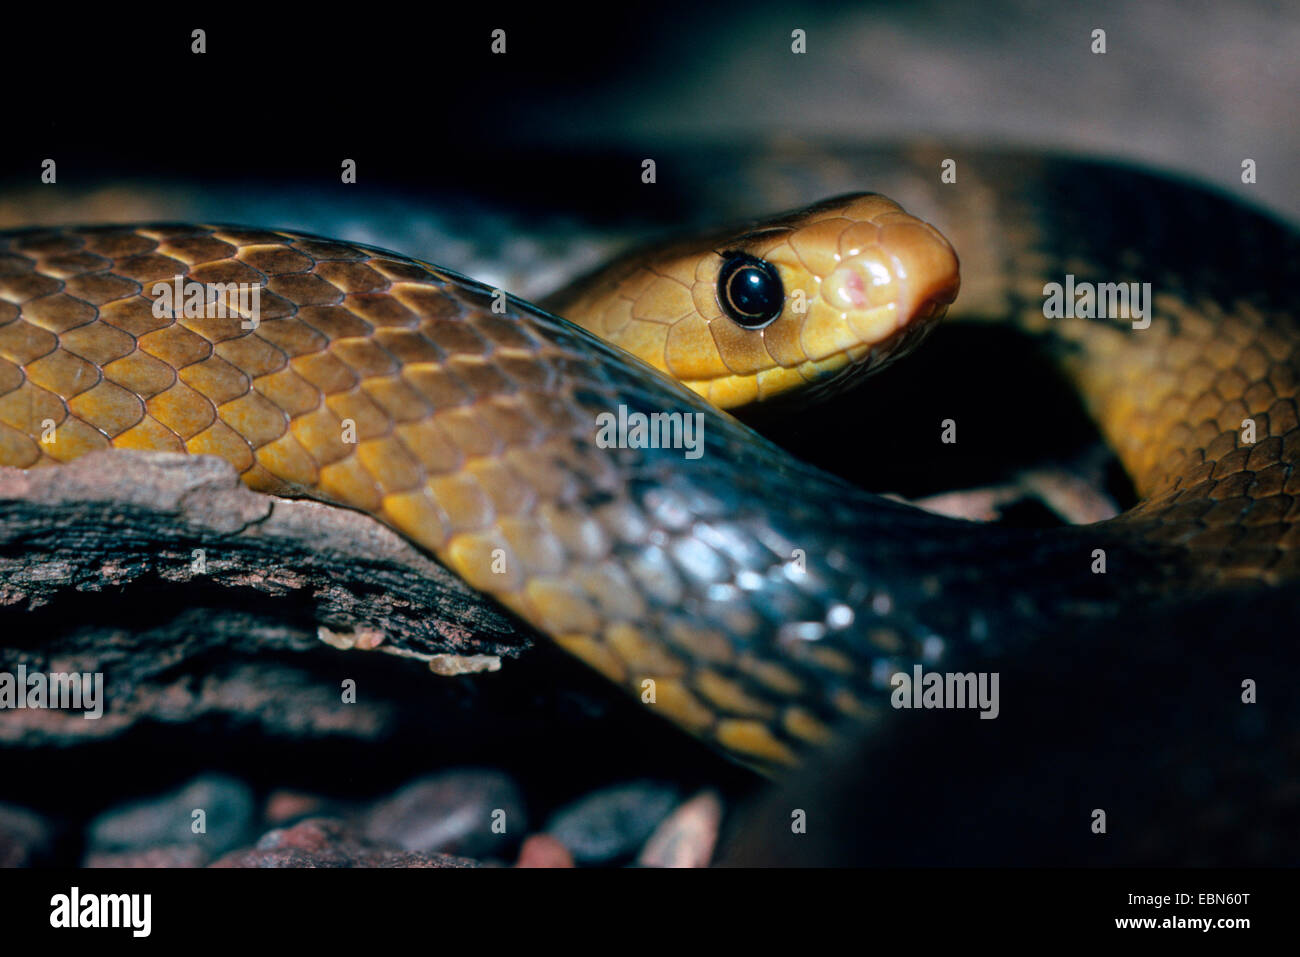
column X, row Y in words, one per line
column 750, row 290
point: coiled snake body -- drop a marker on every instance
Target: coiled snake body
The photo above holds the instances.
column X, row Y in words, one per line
column 755, row 600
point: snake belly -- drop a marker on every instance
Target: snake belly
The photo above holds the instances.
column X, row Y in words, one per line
column 748, row 597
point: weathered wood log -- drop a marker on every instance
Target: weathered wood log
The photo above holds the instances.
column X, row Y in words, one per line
column 167, row 574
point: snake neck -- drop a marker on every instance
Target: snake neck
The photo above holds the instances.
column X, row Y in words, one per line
column 1168, row 308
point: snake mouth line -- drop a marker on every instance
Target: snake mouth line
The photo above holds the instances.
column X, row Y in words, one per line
column 835, row 372
column 870, row 358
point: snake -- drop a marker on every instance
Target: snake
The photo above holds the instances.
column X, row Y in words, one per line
column 750, row 598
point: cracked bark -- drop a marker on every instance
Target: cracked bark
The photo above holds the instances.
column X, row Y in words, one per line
column 100, row 571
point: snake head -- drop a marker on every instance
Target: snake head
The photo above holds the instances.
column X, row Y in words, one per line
column 798, row 304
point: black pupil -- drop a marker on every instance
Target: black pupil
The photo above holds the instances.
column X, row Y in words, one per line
column 749, row 291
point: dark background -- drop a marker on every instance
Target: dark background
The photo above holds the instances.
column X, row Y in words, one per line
column 413, row 92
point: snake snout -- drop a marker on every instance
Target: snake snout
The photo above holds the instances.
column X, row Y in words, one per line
column 909, row 275
column 927, row 267
column 893, row 274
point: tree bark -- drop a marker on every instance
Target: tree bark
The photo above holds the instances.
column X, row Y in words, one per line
column 193, row 594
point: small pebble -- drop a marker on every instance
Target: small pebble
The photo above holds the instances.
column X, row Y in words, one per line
column 609, row 825
column 284, row 807
column 687, row 836
column 326, row 842
column 24, row 836
column 229, row 813
column 173, row 855
column 542, row 850
column 477, row 813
